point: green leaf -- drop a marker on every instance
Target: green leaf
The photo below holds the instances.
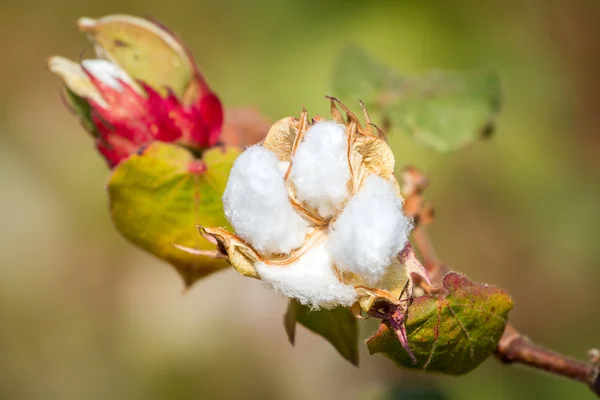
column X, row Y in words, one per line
column 337, row 326
column 160, row 195
column 81, row 107
column 452, row 332
column 146, row 50
column 357, row 76
column 445, row 110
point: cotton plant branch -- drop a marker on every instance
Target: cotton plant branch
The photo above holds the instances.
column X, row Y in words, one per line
column 513, row 347
column 308, row 232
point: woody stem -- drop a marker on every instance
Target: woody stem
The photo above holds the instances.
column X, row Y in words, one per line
column 514, row 347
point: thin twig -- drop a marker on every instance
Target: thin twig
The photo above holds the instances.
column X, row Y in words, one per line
column 514, row 347
column 434, row 266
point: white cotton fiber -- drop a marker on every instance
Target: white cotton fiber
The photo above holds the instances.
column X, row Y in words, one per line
column 107, row 72
column 256, row 203
column 320, row 169
column 311, row 280
column 371, row 230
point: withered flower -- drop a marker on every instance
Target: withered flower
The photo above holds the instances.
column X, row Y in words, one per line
column 143, row 86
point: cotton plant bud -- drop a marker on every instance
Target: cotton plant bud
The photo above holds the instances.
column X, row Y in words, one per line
column 318, row 215
column 143, row 86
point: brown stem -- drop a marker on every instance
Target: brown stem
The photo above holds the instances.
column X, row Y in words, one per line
column 423, row 244
column 436, row 269
column 514, row 347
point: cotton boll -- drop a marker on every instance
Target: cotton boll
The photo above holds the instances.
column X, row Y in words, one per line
column 371, row 230
column 256, row 204
column 283, row 166
column 320, row 169
column 311, row 280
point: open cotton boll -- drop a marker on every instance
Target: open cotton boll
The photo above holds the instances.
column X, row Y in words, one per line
column 311, row 280
column 108, row 73
column 257, row 205
column 371, row 230
column 320, row 170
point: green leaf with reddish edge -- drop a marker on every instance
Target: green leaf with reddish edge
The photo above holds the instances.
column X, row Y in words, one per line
column 147, row 51
column 337, row 326
column 444, row 110
column 157, row 198
column 452, row 332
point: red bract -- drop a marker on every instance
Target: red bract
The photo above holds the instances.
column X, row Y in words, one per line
column 133, row 117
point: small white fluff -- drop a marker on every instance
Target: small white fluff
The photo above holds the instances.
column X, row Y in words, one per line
column 371, row 230
column 320, row 169
column 256, row 203
column 107, row 72
column 311, row 280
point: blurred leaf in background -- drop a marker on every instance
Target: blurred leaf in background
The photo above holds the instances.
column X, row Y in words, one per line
column 414, row 392
column 444, row 110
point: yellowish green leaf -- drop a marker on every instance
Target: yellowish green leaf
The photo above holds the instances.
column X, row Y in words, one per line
column 160, row 195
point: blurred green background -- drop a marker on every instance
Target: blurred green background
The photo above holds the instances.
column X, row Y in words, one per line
column 84, row 315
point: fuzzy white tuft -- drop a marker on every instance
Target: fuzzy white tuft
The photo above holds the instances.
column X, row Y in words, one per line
column 256, row 203
column 320, row 169
column 108, row 73
column 371, row 230
column 311, row 280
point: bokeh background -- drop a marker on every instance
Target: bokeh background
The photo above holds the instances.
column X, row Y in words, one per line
column 84, row 315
